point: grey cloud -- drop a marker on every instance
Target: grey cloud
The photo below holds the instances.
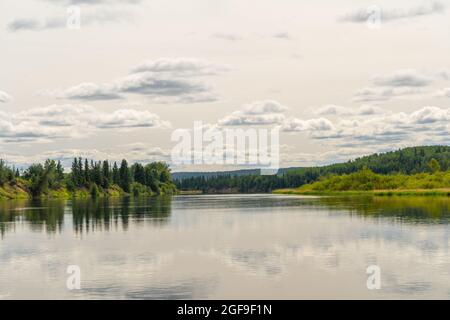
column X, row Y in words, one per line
column 256, row 113
column 282, row 35
column 148, row 84
column 35, row 25
column 180, row 67
column 401, row 83
column 24, row 24
column 403, row 78
column 163, row 80
column 373, row 94
column 90, row 91
column 226, row 36
column 87, row 19
column 387, row 15
column 369, row 94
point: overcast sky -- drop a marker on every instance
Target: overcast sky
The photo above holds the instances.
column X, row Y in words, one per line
column 337, row 80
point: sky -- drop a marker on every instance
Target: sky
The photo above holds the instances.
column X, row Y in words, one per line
column 113, row 79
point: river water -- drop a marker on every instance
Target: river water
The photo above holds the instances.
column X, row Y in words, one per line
column 226, row 247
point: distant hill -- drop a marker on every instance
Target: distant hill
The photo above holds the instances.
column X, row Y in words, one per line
column 234, row 173
column 187, row 175
column 408, row 161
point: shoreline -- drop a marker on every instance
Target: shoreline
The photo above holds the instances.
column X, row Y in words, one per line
column 393, row 192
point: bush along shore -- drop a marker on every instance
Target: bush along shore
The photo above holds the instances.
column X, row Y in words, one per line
column 86, row 179
column 436, row 183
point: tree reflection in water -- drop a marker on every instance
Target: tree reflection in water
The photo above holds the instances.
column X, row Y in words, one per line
column 87, row 215
column 103, row 214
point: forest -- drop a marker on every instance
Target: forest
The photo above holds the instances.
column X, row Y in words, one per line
column 86, row 178
column 407, row 161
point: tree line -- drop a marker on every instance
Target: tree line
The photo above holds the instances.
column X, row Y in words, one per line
column 406, row 161
column 96, row 176
column 104, row 174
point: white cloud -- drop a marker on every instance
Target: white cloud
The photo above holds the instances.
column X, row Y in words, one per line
column 294, row 124
column 430, row 115
column 388, row 15
column 443, row 93
column 257, row 113
column 70, row 121
column 128, row 119
column 388, row 129
column 264, row 107
column 334, row 110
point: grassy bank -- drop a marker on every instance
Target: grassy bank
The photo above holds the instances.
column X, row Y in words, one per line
column 419, row 192
column 365, row 182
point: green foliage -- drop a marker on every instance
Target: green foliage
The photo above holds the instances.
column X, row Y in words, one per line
column 434, row 165
column 138, row 189
column 367, row 180
column 6, row 173
column 94, row 191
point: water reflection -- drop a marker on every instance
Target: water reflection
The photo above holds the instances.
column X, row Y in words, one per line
column 102, row 214
column 40, row 215
column 88, row 215
column 422, row 210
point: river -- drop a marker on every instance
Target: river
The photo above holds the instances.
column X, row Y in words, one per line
column 226, row 247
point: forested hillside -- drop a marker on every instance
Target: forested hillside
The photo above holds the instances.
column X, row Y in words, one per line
column 407, row 161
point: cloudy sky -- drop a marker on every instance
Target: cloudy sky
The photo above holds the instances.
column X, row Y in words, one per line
column 340, row 79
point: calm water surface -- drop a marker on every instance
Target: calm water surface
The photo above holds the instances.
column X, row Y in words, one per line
column 226, row 247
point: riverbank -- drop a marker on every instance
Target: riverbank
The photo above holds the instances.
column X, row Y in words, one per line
column 417, row 192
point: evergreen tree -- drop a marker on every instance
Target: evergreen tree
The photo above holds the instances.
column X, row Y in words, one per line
column 106, row 175
column 124, row 176
column 115, row 174
column 87, row 174
column 75, row 173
